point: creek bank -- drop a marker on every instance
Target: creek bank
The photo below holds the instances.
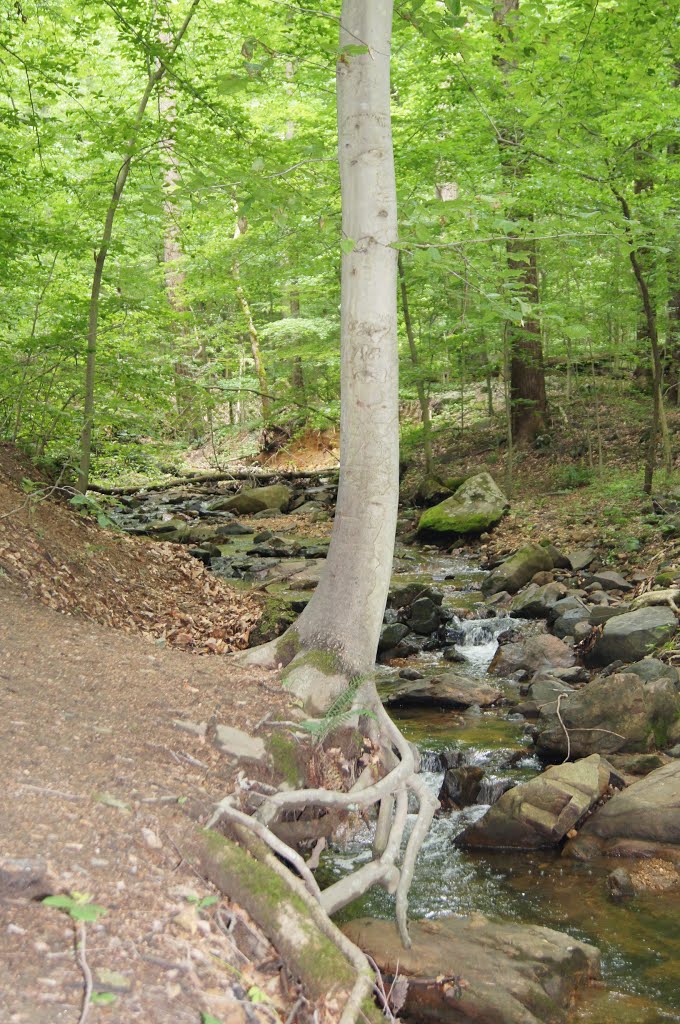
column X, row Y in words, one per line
column 476, row 969
column 427, row 616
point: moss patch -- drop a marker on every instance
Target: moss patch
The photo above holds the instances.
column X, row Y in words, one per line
column 288, row 646
column 277, row 616
column 446, row 522
column 283, row 751
column 326, row 662
column 280, row 912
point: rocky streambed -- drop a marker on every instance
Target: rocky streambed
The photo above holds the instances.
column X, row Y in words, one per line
column 495, row 676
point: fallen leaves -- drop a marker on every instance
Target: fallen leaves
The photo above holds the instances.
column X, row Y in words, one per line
column 139, row 586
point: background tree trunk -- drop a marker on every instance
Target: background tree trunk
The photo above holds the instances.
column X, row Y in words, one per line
column 423, row 401
column 100, row 257
column 527, row 375
column 189, row 416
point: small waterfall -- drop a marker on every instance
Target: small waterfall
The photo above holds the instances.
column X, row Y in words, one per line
column 477, row 639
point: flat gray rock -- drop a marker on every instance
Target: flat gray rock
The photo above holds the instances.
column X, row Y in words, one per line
column 513, row 973
column 631, row 636
column 239, row 744
column 648, row 810
column 539, row 813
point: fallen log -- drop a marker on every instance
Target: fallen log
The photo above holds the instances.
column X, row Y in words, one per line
column 213, row 478
column 329, row 965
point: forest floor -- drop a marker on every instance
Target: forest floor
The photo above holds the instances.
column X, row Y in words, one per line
column 99, row 637
column 99, row 780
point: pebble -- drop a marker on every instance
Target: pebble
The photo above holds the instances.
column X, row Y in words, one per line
column 151, row 839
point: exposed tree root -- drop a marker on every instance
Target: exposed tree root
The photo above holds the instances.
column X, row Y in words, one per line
column 317, row 683
column 329, row 965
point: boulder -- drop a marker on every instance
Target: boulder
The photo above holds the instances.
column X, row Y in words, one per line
column 543, row 689
column 213, row 533
column 567, row 615
column 651, row 669
column 476, row 506
column 539, row 813
column 532, row 655
column 559, row 560
column 537, row 602
column 404, row 597
column 274, row 497
column 460, row 787
column 424, row 616
column 448, row 690
column 603, row 613
column 609, row 715
column 512, row 574
column 648, row 812
column 580, row 558
column 513, row 973
column 391, row 634
column 610, row 580
column 631, row 636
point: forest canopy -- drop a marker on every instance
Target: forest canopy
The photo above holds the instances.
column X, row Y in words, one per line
column 536, row 155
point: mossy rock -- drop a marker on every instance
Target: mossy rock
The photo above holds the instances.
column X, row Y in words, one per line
column 283, row 751
column 477, row 505
column 277, row 616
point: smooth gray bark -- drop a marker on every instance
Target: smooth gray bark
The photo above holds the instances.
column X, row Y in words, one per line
column 346, row 611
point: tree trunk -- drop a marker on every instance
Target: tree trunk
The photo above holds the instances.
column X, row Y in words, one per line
column 415, row 360
column 527, row 375
column 659, row 423
column 331, row 648
column 673, row 347
column 346, row 611
column 100, row 257
column 297, row 373
column 254, row 343
column 188, row 416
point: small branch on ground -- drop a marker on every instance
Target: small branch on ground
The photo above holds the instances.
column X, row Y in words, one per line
column 81, row 953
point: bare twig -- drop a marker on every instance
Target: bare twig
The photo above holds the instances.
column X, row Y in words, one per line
column 564, row 728
column 85, row 968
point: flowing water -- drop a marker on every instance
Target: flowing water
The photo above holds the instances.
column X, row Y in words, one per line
column 639, row 939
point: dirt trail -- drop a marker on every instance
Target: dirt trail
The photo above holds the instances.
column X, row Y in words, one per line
column 97, row 779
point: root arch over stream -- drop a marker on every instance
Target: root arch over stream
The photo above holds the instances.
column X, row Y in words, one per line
column 323, row 685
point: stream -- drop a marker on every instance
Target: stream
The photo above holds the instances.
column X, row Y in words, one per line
column 639, row 939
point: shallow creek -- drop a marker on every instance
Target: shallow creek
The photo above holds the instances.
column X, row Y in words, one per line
column 639, row 939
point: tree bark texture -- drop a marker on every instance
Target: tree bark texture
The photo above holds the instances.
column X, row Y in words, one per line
column 527, row 375
column 189, row 417
column 423, row 401
column 659, row 424
column 346, row 611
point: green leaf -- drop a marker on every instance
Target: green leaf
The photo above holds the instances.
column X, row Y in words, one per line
column 63, row 902
column 347, row 245
column 207, row 1018
column 256, row 995
column 227, row 85
column 87, row 911
column 103, row 998
column 208, row 901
